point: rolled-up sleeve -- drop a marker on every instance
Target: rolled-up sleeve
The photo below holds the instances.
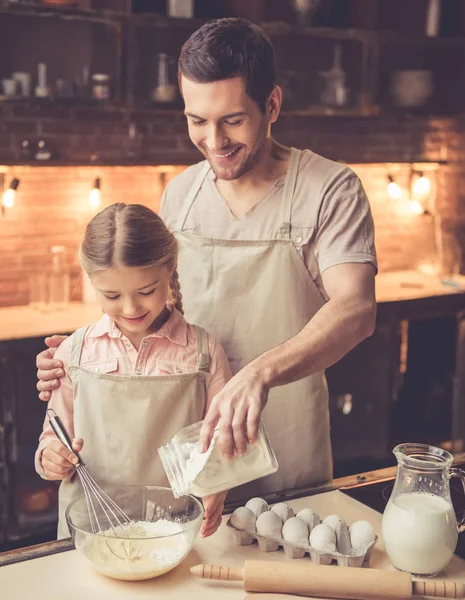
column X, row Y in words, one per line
column 345, row 230
column 62, row 403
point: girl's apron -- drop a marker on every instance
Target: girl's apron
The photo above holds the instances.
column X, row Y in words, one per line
column 123, row 420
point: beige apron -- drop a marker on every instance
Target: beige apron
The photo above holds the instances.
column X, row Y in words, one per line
column 253, row 295
column 124, row 420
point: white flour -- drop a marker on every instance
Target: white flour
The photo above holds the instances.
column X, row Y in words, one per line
column 210, row 472
column 142, row 556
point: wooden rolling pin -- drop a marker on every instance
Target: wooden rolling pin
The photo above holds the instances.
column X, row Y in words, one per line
column 329, row 581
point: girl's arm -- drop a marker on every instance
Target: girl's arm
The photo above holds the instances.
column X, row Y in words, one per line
column 62, row 403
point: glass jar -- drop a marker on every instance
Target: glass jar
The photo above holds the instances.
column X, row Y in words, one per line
column 101, row 86
column 191, row 472
column 164, row 90
column 59, row 280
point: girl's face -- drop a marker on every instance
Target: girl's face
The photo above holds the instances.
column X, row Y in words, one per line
column 133, row 296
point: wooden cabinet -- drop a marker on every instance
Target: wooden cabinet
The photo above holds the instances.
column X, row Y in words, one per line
column 28, row 510
column 361, row 388
column 405, row 383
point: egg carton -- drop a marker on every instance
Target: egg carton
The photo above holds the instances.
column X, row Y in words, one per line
column 293, row 550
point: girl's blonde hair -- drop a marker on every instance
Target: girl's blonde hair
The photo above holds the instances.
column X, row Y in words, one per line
column 130, row 235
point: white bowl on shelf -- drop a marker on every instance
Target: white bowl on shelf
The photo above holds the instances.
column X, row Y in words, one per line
column 411, row 88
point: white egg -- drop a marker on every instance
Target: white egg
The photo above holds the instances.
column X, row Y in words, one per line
column 309, row 517
column 323, row 538
column 333, row 521
column 243, row 518
column 283, row 511
column 361, row 533
column 295, row 530
column 257, row 506
column 269, row 524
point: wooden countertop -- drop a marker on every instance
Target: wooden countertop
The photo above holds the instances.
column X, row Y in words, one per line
column 19, row 322
column 68, row 575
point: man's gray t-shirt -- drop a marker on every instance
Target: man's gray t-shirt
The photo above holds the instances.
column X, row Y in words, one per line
column 331, row 218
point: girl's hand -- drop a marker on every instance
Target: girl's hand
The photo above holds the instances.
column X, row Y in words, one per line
column 57, row 461
column 213, row 505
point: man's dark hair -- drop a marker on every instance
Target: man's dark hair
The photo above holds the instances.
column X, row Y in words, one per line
column 228, row 48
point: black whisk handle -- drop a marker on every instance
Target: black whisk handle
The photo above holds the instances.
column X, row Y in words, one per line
column 61, row 433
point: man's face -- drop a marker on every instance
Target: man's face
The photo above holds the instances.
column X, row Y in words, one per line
column 225, row 124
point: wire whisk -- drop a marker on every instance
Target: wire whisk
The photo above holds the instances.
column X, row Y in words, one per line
column 114, row 521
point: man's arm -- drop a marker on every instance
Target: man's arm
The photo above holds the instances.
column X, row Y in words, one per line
column 344, row 321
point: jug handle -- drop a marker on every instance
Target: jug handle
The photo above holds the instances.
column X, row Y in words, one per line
column 460, row 473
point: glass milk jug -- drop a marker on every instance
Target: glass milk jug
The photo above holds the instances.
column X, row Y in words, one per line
column 419, row 526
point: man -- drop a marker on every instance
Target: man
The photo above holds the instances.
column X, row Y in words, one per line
column 276, row 256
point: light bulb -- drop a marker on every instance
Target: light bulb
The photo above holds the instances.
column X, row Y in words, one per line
column 394, row 190
column 422, row 186
column 94, row 194
column 94, row 197
column 10, row 194
column 9, row 198
column 415, row 207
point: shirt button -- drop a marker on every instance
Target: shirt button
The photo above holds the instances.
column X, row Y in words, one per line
column 97, row 369
column 138, row 372
column 127, row 344
column 178, row 370
column 298, row 239
column 145, row 343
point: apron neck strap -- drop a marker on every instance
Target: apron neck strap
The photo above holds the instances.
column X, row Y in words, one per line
column 288, row 194
column 76, row 346
column 192, row 195
column 202, row 349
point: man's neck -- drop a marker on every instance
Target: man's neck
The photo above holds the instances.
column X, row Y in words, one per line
column 244, row 193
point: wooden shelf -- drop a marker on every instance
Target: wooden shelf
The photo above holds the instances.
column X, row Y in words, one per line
column 62, row 12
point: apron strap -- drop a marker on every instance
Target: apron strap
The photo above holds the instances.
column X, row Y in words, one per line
column 284, row 231
column 202, row 349
column 76, row 350
column 192, row 195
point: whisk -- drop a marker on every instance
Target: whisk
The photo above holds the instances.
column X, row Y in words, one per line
column 119, row 522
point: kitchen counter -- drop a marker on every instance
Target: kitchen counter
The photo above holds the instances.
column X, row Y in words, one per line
column 19, row 322
column 399, row 288
column 69, row 576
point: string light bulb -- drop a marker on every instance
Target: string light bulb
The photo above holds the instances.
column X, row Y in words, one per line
column 416, row 208
column 9, row 195
column 394, row 189
column 94, row 194
column 421, row 185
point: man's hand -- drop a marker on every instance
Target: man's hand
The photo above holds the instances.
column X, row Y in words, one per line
column 213, row 505
column 238, row 408
column 57, row 461
column 49, row 371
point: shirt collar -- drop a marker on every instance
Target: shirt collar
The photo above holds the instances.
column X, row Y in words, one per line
column 175, row 328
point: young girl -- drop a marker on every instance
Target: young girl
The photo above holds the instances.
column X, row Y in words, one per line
column 138, row 375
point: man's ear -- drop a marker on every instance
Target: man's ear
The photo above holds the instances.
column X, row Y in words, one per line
column 273, row 104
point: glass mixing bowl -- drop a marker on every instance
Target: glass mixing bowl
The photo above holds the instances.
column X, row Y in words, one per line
column 161, row 534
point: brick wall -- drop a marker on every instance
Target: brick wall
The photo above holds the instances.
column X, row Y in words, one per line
column 52, row 201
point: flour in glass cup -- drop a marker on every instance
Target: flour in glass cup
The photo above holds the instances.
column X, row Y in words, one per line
column 210, row 472
column 419, row 532
column 153, row 548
